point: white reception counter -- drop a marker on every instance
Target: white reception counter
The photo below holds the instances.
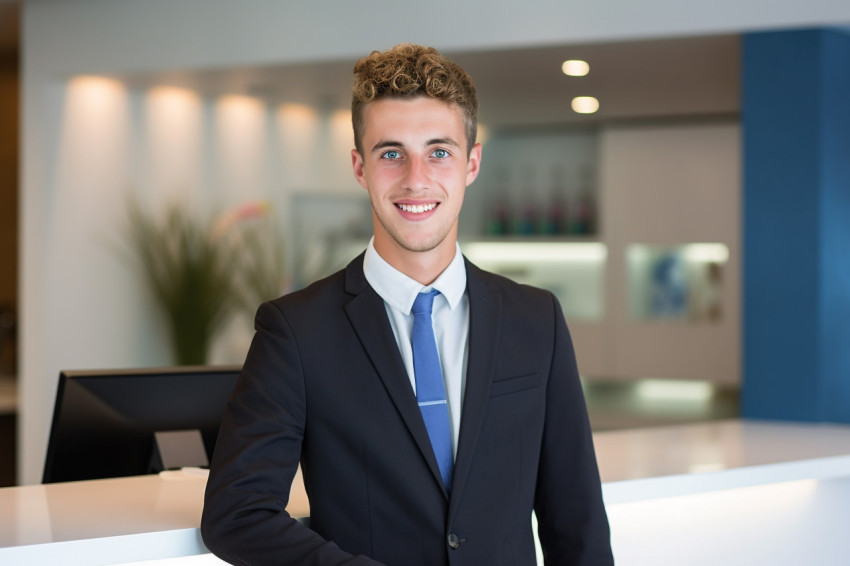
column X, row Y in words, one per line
column 729, row 493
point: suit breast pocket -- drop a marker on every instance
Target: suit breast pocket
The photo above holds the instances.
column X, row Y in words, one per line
column 514, row 384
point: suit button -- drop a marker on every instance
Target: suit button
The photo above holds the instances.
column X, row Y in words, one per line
column 454, row 541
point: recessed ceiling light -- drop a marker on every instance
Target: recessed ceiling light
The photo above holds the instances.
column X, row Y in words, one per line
column 585, row 104
column 575, row 68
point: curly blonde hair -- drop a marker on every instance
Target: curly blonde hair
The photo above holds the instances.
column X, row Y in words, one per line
column 409, row 70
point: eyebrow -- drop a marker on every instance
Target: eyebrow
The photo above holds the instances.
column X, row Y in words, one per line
column 383, row 144
column 442, row 141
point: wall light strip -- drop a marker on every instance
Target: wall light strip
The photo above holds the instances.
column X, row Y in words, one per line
column 707, row 253
column 674, row 391
column 534, row 252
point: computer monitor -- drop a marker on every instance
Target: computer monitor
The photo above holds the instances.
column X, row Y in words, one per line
column 105, row 421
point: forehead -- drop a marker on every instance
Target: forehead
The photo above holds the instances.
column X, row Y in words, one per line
column 411, row 117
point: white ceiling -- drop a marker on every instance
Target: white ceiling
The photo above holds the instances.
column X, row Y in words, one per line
column 644, row 79
column 686, row 77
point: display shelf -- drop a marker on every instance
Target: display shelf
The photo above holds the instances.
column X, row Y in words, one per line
column 681, row 282
column 574, row 270
column 608, row 300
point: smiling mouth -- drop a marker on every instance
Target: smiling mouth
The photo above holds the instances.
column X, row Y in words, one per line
column 417, row 208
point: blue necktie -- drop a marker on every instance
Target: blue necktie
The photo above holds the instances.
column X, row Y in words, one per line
column 430, row 390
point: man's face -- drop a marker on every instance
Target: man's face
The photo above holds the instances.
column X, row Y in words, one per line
column 416, row 170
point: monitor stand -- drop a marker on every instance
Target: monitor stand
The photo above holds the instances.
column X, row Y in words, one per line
column 176, row 449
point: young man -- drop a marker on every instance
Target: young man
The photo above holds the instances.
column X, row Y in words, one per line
column 432, row 405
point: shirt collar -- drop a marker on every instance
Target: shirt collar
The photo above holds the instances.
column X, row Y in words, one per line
column 399, row 290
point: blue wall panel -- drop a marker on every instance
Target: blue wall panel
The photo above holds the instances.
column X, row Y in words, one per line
column 835, row 228
column 796, row 215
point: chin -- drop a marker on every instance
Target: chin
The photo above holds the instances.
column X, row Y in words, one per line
column 421, row 244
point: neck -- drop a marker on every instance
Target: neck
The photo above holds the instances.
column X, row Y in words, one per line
column 423, row 267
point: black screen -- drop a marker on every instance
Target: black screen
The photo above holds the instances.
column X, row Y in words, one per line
column 104, row 421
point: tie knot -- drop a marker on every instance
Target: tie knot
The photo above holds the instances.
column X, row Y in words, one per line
column 424, row 302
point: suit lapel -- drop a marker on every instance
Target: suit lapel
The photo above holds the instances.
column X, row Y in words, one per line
column 485, row 316
column 368, row 316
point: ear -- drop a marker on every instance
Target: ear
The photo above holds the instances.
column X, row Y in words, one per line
column 359, row 168
column 473, row 164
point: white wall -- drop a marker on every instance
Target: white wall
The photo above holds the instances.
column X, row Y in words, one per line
column 667, row 185
column 78, row 307
column 87, row 307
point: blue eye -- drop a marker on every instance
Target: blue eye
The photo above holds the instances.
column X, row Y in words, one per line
column 440, row 153
column 392, row 154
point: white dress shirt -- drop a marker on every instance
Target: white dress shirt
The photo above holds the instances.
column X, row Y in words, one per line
column 450, row 317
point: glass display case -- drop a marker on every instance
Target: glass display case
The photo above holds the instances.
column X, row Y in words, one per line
column 679, row 282
column 573, row 270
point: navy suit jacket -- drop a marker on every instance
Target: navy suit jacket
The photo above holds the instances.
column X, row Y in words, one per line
column 324, row 384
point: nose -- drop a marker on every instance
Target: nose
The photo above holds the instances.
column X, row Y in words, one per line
column 416, row 174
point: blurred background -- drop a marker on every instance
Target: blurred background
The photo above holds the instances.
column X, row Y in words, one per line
column 619, row 186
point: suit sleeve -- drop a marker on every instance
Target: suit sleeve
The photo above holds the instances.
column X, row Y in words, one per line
column 572, row 523
column 256, row 457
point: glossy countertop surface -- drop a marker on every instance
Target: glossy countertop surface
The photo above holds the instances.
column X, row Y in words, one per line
column 636, row 464
column 714, row 446
column 69, row 511
column 38, row 514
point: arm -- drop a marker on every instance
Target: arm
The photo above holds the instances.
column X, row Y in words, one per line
column 256, row 457
column 572, row 523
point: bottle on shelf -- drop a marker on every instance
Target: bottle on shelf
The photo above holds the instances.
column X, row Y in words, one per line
column 584, row 212
column 498, row 219
column 554, row 220
column 526, row 221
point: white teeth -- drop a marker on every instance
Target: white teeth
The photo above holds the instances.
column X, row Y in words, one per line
column 417, row 208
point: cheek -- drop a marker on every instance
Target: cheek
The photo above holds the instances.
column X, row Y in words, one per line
column 458, row 180
column 383, row 180
column 448, row 173
column 385, row 176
